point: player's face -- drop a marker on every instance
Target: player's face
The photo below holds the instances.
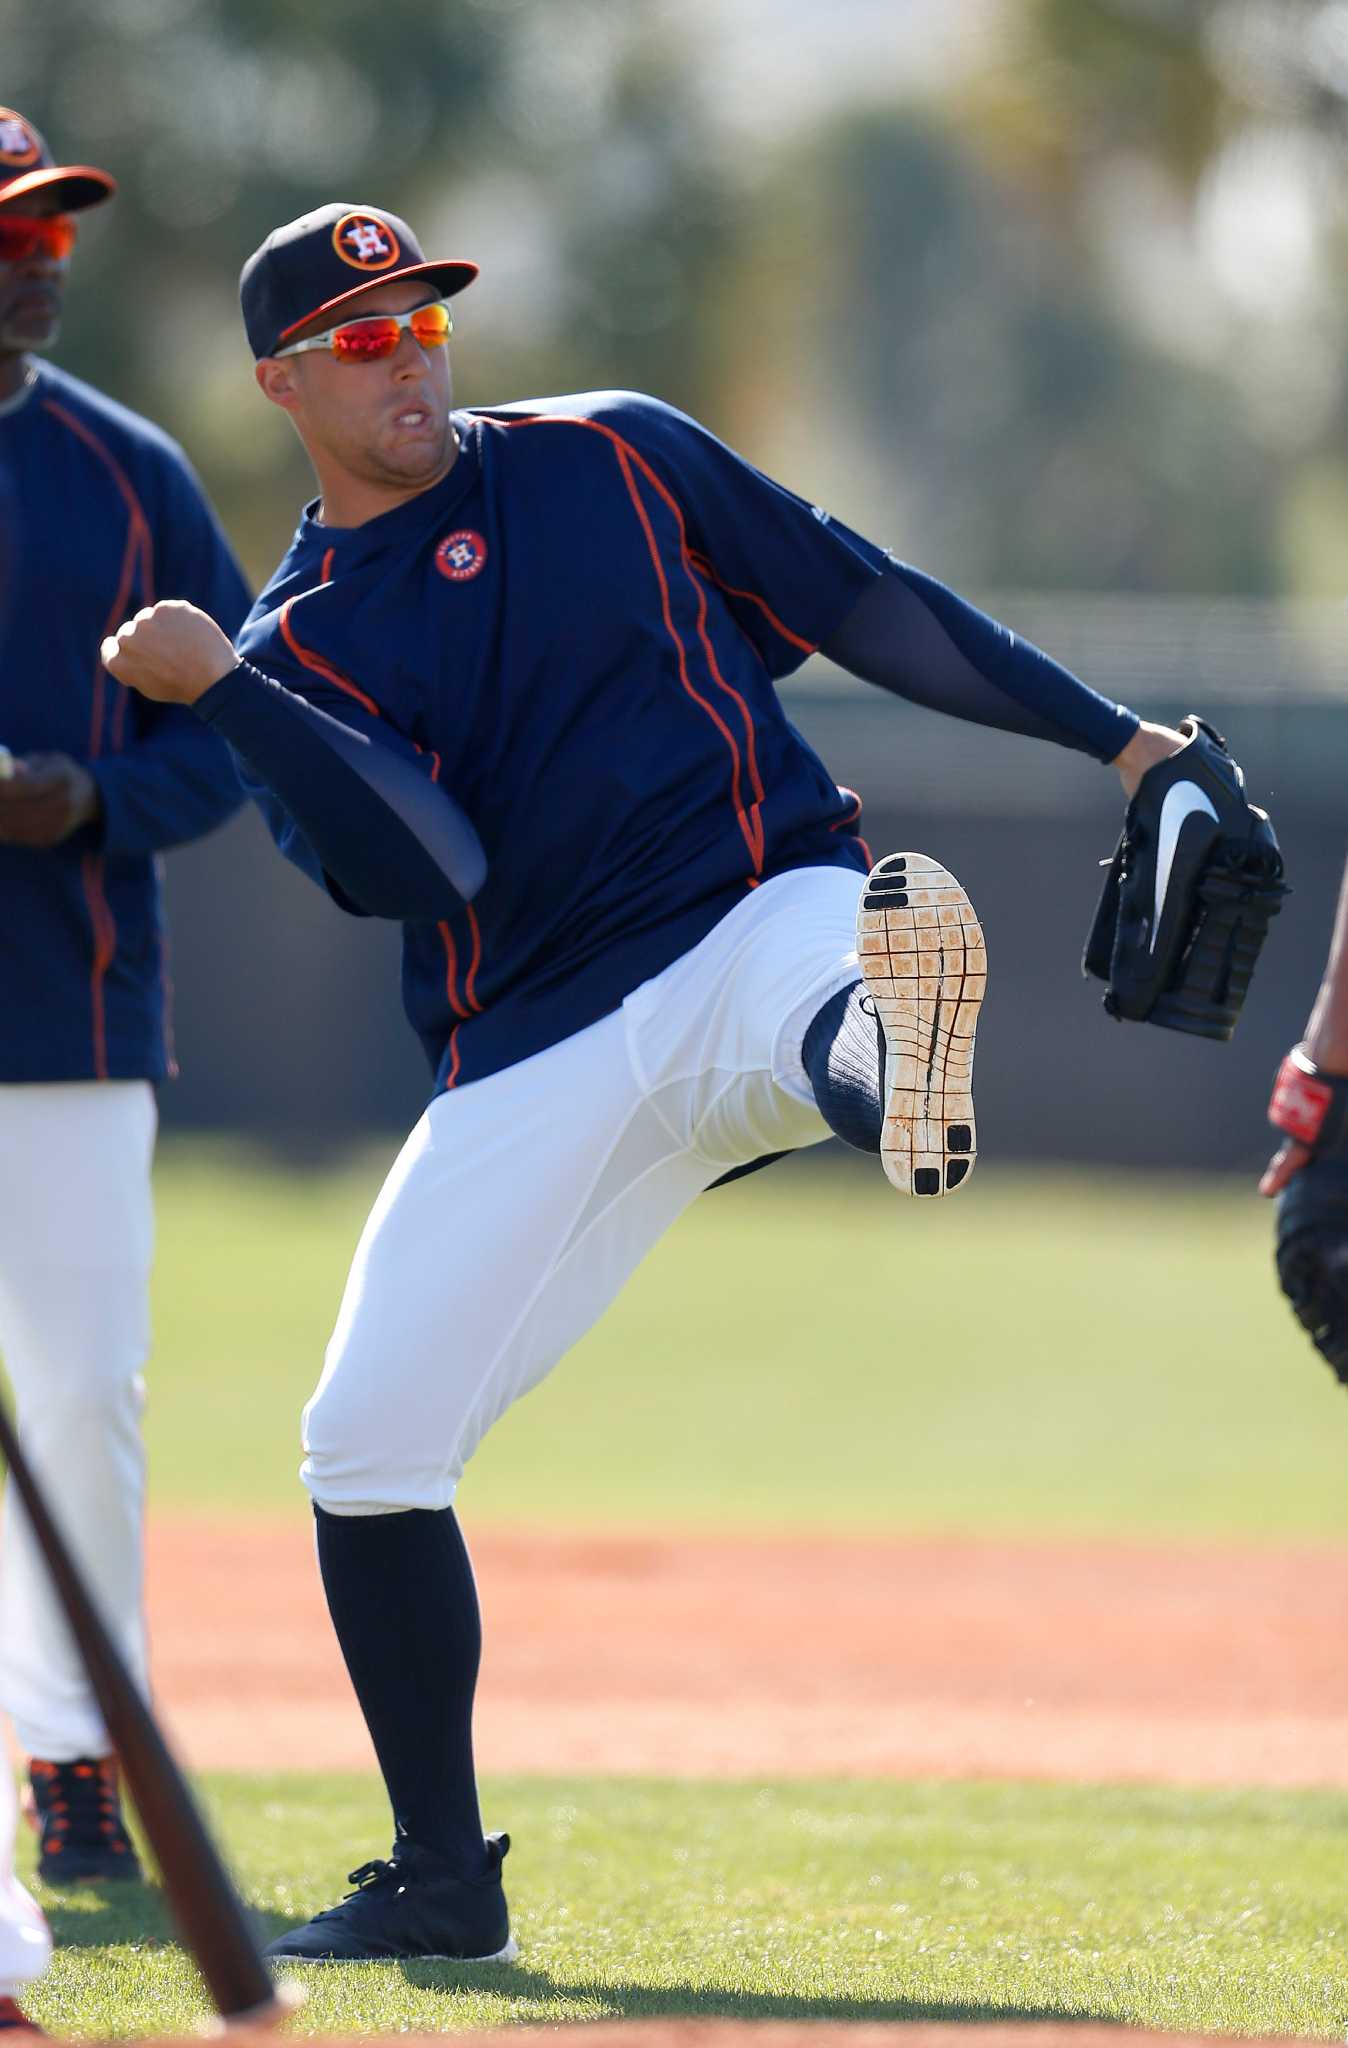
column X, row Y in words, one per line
column 386, row 422
column 31, row 290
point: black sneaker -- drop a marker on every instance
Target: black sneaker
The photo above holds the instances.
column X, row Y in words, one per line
column 77, row 1812
column 411, row 1906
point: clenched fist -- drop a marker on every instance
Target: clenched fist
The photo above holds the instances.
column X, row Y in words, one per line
column 170, row 652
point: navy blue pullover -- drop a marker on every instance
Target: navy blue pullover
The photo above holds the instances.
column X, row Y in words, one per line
column 575, row 636
column 102, row 515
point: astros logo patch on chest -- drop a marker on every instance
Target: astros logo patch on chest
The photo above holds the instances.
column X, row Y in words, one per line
column 461, row 555
column 364, row 242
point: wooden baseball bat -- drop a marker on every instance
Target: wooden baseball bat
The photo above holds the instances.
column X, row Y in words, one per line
column 202, row 1899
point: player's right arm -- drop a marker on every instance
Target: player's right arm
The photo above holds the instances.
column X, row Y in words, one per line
column 386, row 840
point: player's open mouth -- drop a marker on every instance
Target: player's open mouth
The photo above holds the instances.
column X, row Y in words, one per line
column 415, row 418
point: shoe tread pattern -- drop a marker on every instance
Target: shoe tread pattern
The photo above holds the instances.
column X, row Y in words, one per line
column 924, row 961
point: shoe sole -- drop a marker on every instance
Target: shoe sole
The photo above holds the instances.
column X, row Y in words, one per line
column 925, row 964
column 509, row 1954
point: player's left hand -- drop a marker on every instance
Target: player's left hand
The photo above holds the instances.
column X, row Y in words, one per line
column 1149, row 744
column 45, row 799
column 170, row 652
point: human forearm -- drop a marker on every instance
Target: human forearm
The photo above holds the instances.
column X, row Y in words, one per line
column 1326, row 1039
column 395, row 844
column 912, row 636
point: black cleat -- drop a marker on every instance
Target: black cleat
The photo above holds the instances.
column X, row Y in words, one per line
column 76, row 1809
column 925, row 967
column 412, row 1906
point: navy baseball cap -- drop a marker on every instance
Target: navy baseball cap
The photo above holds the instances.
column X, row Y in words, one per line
column 27, row 166
column 322, row 261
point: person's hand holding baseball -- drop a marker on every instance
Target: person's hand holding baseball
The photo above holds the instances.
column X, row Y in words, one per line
column 170, row 652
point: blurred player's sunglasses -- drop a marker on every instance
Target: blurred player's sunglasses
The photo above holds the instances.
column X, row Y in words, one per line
column 371, row 340
column 21, row 236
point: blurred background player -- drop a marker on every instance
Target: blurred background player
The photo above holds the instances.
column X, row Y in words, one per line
column 1309, row 1172
column 104, row 514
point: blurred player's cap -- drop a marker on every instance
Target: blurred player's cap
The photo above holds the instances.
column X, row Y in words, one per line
column 27, row 166
column 321, row 261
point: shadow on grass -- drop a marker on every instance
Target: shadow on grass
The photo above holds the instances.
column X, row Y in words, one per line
column 138, row 1916
column 674, row 2001
column 133, row 1916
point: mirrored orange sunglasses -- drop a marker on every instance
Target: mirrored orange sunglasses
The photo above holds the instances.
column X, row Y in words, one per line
column 370, row 340
column 23, row 235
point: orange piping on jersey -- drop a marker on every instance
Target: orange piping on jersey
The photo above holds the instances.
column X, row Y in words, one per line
column 653, row 549
column 750, row 821
column 319, row 666
column 452, row 1076
column 470, row 985
column 166, row 991
column 123, row 695
column 105, row 946
column 325, row 570
column 752, row 597
column 841, row 824
column 452, row 971
column 138, row 541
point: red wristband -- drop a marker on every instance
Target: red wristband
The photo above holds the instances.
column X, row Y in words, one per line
column 1307, row 1105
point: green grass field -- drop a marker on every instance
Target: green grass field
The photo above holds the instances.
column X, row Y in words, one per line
column 1044, row 1353
column 839, row 1901
column 1048, row 1353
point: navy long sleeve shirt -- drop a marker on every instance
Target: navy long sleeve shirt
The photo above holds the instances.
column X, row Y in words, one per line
column 102, row 515
column 574, row 637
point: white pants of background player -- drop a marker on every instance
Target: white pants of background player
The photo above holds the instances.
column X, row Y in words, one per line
column 25, row 1940
column 521, row 1204
column 76, row 1240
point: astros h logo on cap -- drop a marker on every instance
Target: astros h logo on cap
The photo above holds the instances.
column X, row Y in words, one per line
column 365, row 243
column 18, row 142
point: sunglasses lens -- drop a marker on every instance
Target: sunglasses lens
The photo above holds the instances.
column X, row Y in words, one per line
column 431, row 326
column 21, row 237
column 365, row 341
column 18, row 238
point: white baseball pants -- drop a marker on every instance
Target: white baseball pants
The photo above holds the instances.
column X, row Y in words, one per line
column 76, row 1241
column 520, row 1204
column 25, row 1939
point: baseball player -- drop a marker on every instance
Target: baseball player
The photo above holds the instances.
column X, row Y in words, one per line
column 1309, row 1172
column 513, row 683
column 94, row 781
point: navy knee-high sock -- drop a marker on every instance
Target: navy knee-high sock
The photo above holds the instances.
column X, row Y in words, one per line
column 402, row 1599
column 844, row 1056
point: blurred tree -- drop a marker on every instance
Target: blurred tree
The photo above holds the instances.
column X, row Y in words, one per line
column 564, row 142
column 1004, row 425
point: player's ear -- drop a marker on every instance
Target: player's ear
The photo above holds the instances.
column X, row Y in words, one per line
column 277, row 381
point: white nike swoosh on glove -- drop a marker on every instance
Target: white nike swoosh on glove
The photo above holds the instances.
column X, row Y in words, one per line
column 1184, row 800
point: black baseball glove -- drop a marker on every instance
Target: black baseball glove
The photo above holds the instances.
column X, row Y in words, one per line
column 1193, row 882
column 1312, row 1108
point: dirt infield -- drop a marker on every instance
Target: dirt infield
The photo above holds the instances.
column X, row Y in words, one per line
column 762, row 1658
